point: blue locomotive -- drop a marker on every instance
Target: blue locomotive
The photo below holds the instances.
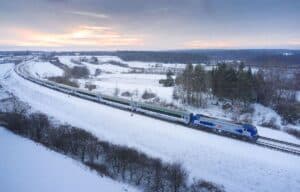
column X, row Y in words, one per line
column 245, row 131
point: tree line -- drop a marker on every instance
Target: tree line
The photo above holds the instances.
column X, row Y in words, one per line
column 195, row 86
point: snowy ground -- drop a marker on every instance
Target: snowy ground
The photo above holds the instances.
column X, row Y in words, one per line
column 107, row 83
column 239, row 166
column 28, row 167
column 43, row 69
column 137, row 84
column 132, row 64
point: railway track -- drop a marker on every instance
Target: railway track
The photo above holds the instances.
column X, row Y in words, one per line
column 279, row 145
column 261, row 141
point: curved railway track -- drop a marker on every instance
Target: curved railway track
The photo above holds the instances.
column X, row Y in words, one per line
column 274, row 144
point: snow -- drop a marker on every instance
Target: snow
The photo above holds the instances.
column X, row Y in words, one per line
column 26, row 166
column 43, row 69
column 105, row 67
column 67, row 60
column 237, row 165
column 107, row 83
column 133, row 64
column 264, row 114
column 138, row 83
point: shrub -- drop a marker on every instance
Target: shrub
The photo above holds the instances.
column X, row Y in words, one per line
column 271, row 124
column 118, row 162
column 90, row 86
column 290, row 111
column 126, row 94
column 201, row 186
column 294, row 132
column 97, row 72
column 148, row 95
column 79, row 72
column 64, row 80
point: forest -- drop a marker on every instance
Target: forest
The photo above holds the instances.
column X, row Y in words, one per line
column 240, row 86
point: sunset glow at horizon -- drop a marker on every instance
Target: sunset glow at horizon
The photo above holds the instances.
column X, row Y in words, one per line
column 144, row 25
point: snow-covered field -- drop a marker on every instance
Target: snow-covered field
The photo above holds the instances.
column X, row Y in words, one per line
column 43, row 69
column 107, row 83
column 137, row 84
column 237, row 165
column 28, row 167
column 133, row 64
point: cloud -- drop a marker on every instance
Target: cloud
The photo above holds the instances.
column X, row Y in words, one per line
column 250, row 42
column 89, row 14
column 87, row 36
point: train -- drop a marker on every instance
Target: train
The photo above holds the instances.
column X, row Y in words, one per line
column 198, row 121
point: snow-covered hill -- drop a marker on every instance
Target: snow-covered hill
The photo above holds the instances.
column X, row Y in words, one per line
column 28, row 167
column 43, row 69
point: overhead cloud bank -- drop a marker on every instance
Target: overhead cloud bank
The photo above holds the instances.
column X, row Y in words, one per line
column 144, row 24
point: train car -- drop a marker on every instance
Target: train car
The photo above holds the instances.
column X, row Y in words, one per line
column 164, row 113
column 115, row 101
column 246, row 131
column 85, row 94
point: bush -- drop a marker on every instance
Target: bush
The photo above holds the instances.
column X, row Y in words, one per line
column 79, row 72
column 118, row 162
column 202, row 186
column 97, row 72
column 90, row 86
column 126, row 94
column 293, row 132
column 271, row 124
column 64, row 80
column 169, row 81
column 148, row 95
column 289, row 111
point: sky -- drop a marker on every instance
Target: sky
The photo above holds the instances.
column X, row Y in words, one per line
column 148, row 24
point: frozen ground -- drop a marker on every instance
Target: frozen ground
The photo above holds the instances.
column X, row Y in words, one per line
column 107, row 83
column 103, row 66
column 133, row 64
column 28, row 167
column 43, row 69
column 237, row 165
column 106, row 68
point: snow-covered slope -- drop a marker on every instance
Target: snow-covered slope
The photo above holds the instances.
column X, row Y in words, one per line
column 43, row 69
column 105, row 67
column 239, row 166
column 67, row 60
column 28, row 167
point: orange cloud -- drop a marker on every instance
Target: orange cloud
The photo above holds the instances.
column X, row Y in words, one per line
column 94, row 36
